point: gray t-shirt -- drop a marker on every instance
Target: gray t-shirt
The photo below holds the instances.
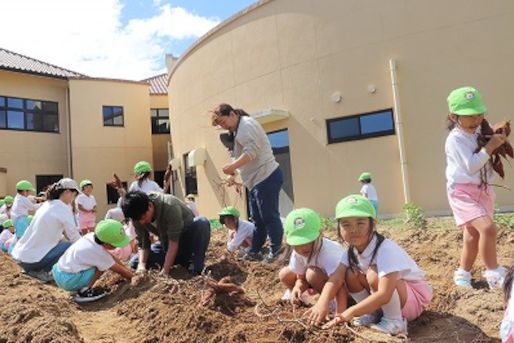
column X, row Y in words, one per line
column 251, row 139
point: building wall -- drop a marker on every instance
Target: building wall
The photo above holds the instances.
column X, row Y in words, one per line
column 294, row 54
column 159, row 141
column 100, row 150
column 26, row 154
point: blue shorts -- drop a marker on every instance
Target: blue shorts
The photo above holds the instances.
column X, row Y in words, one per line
column 21, row 224
column 375, row 205
column 72, row 282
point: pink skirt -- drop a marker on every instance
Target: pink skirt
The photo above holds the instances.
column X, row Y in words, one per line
column 419, row 295
column 468, row 202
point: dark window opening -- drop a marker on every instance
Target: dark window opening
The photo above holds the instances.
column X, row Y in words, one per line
column 43, row 181
column 112, row 194
column 113, row 115
column 375, row 124
column 160, row 120
column 28, row 115
column 190, row 177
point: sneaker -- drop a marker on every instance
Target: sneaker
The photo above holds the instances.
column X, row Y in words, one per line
column 272, row 257
column 41, row 275
column 367, row 319
column 462, row 278
column 252, row 256
column 391, row 326
column 87, row 295
column 495, row 277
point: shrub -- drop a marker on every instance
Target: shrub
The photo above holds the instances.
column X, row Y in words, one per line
column 414, row 216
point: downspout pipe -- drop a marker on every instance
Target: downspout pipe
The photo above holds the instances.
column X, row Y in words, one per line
column 393, row 68
column 68, row 133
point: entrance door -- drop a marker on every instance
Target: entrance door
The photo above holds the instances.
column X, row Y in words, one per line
column 280, row 145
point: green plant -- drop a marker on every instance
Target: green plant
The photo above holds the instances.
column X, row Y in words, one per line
column 328, row 223
column 414, row 216
column 215, row 224
column 503, row 220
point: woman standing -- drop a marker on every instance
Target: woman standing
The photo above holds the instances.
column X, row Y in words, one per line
column 260, row 173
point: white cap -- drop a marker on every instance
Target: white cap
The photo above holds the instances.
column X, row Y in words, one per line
column 67, row 183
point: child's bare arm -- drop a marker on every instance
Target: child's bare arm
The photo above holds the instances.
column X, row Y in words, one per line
column 119, row 268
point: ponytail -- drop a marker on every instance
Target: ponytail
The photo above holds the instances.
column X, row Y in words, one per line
column 53, row 192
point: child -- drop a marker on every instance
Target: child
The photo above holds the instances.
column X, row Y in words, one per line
column 240, row 231
column 86, row 205
column 507, row 325
column 381, row 266
column 471, row 200
column 6, row 208
column 368, row 190
column 315, row 263
column 22, row 206
column 124, row 254
column 143, row 183
column 6, row 234
column 190, row 202
column 87, row 259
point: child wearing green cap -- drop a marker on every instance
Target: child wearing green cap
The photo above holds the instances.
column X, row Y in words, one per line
column 315, row 263
column 143, row 182
column 6, row 207
column 22, row 207
column 240, row 232
column 387, row 285
column 86, row 206
column 368, row 190
column 471, row 199
column 87, row 259
column 6, row 234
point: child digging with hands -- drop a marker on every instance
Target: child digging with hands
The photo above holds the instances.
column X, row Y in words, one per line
column 88, row 258
column 387, row 285
column 315, row 263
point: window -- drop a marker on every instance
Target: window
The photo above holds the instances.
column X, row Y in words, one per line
column 28, row 115
column 43, row 181
column 160, row 120
column 112, row 194
column 375, row 124
column 190, row 177
column 158, row 176
column 113, row 115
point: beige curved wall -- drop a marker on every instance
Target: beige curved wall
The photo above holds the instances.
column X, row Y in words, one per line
column 294, row 54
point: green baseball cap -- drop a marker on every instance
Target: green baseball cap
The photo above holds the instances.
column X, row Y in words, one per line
column 7, row 223
column 228, row 211
column 302, row 226
column 85, row 183
column 466, row 101
column 365, row 176
column 24, row 185
column 142, row 167
column 8, row 199
column 355, row 205
column 111, row 231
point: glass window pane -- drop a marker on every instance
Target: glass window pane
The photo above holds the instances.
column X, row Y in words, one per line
column 164, row 125
column 49, row 106
column 15, row 120
column 279, row 139
column 15, row 102
column 344, row 128
column 3, row 117
column 377, row 122
column 2, row 101
column 50, row 123
column 118, row 120
column 164, row 113
column 34, row 121
column 33, row 105
column 107, row 113
column 117, row 111
column 153, row 113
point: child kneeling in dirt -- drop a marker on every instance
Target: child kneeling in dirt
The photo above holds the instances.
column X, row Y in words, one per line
column 6, row 234
column 387, row 285
column 240, row 231
column 315, row 263
column 507, row 324
column 88, row 258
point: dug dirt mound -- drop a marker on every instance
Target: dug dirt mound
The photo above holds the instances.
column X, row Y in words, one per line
column 177, row 309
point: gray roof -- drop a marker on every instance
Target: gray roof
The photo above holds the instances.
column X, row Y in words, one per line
column 16, row 62
column 158, row 84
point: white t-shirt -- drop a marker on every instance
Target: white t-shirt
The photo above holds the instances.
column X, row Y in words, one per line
column 328, row 259
column 147, row 186
column 87, row 202
column 192, row 207
column 245, row 230
column 462, row 163
column 50, row 222
column 21, row 207
column 369, row 191
column 84, row 254
column 5, row 235
column 389, row 258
